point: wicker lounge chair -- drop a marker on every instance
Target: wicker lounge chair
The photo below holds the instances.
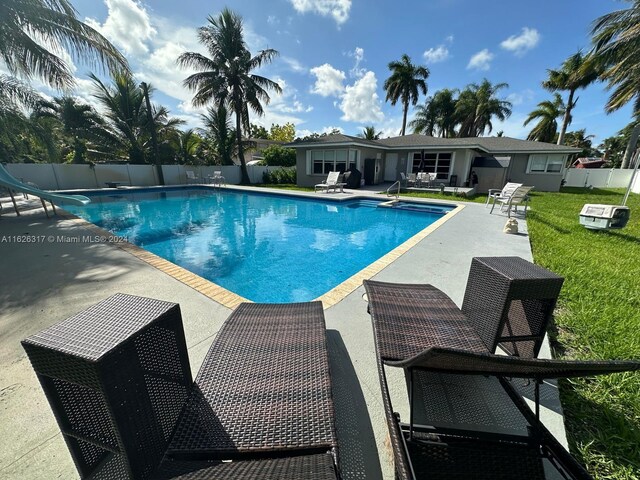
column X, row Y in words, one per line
column 419, row 329
column 117, row 377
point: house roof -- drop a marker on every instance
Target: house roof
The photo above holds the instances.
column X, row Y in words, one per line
column 335, row 139
column 488, row 144
column 589, row 162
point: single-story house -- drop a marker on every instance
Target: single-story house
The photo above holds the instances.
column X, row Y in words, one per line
column 589, row 162
column 495, row 160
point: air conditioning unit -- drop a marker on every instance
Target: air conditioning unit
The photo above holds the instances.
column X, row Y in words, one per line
column 604, row 217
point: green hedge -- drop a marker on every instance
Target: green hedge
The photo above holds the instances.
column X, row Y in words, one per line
column 280, row 176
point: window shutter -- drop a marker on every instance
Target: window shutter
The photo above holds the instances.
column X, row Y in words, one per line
column 308, row 162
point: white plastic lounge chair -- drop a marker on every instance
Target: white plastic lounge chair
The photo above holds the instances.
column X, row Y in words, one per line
column 519, row 195
column 330, row 183
column 14, row 185
column 506, row 191
column 217, row 178
column 191, row 176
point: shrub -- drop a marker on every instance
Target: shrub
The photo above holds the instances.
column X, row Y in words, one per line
column 279, row 156
column 280, row 176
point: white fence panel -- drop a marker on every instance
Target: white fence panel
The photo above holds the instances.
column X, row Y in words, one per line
column 67, row 177
column 598, row 177
column 42, row 174
column 112, row 173
column 173, row 174
column 143, row 175
column 256, row 172
column 75, row 176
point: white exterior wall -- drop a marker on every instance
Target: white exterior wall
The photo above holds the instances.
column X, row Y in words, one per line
column 69, row 177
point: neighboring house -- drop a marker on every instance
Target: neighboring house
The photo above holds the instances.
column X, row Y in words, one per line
column 589, row 162
column 495, row 160
column 254, row 155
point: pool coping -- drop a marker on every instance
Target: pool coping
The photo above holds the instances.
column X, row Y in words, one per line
column 230, row 299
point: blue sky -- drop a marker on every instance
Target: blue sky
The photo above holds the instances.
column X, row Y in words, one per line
column 334, row 53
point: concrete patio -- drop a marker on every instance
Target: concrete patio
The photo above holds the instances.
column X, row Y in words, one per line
column 47, row 280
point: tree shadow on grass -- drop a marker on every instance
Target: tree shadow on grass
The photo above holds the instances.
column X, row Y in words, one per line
column 356, row 442
column 553, row 226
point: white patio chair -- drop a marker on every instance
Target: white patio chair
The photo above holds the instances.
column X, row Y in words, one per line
column 519, row 195
column 506, row 191
column 411, row 181
column 192, row 177
column 217, row 178
column 330, row 183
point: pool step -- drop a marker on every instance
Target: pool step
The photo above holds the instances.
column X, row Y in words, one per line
column 389, row 204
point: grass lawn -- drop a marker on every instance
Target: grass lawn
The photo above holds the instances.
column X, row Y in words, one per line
column 598, row 317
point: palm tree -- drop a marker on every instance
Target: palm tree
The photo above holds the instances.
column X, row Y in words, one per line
column 437, row 115
column 225, row 76
column 80, row 123
column 186, row 146
column 577, row 71
column 476, row 107
column 405, row 84
column 217, row 129
column 580, row 139
column 130, row 122
column 616, row 39
column 369, row 133
column 548, row 113
column 34, row 32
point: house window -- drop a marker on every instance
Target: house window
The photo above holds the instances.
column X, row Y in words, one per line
column 439, row 163
column 543, row 163
column 325, row 161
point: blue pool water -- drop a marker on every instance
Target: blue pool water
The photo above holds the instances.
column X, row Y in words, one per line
column 266, row 248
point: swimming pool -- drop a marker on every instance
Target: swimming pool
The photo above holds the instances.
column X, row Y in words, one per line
column 264, row 247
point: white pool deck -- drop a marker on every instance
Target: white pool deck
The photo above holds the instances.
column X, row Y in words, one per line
column 44, row 282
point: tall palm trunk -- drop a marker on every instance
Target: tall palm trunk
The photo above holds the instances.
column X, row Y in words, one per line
column 631, row 147
column 404, row 116
column 243, row 165
column 154, row 135
column 567, row 116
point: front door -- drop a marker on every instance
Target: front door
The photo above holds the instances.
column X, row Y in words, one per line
column 391, row 167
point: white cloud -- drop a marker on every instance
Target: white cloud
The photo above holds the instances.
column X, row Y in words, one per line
column 519, row 44
column 449, row 39
column 328, row 80
column 294, row 65
column 356, row 71
column 360, row 102
column 306, row 132
column 338, row 9
column 481, row 60
column 272, row 20
column 512, row 126
column 127, row 26
column 518, row 98
column 435, row 55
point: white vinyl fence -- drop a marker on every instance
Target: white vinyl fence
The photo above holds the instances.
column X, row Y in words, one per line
column 598, row 177
column 50, row 176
